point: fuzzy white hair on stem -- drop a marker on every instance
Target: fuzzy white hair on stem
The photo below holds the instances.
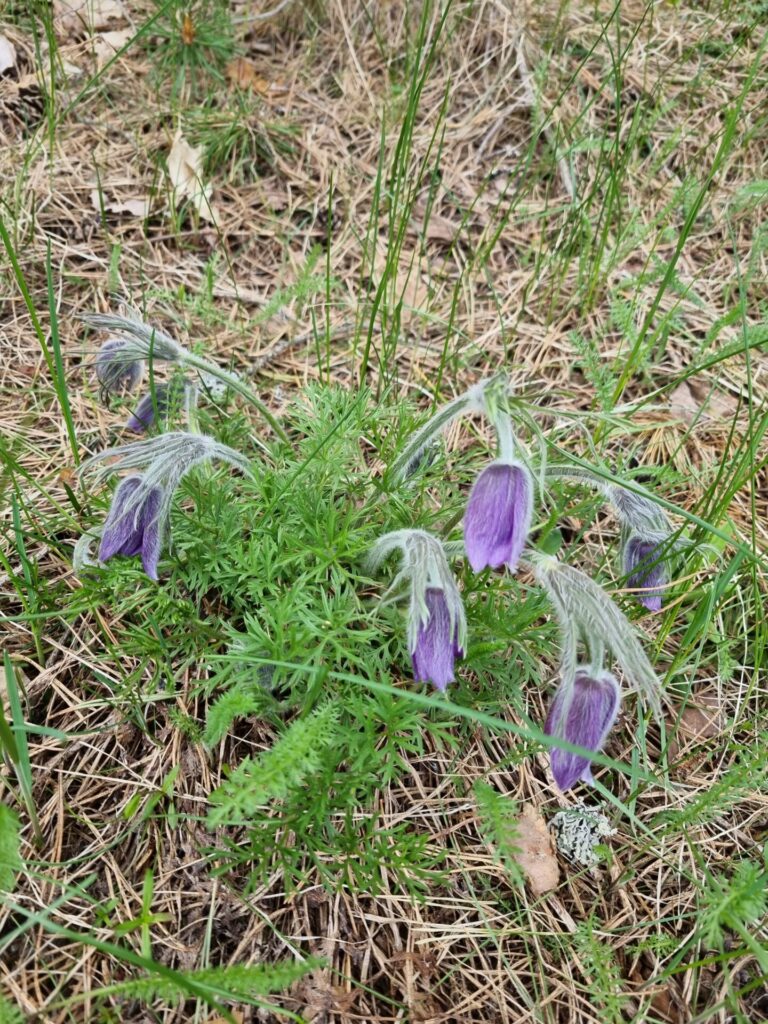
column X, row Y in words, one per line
column 425, row 566
column 584, row 609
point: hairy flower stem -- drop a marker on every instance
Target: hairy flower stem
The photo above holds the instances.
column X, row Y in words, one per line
column 578, row 475
column 506, row 437
column 233, row 382
column 419, row 441
column 585, row 611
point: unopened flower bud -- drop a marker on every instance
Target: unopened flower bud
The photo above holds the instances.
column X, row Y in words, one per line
column 645, row 569
column 436, row 623
column 117, row 368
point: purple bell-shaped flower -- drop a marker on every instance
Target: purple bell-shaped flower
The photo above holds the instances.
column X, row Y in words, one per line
column 139, row 517
column 134, row 526
column 582, row 713
column 498, row 516
column 437, row 642
column 437, row 626
column 645, row 569
column 117, row 368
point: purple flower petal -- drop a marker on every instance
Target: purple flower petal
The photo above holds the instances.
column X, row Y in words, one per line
column 436, row 645
column 644, row 567
column 115, row 371
column 121, row 535
column 134, row 529
column 143, row 416
column 585, row 720
column 152, row 541
column 498, row 516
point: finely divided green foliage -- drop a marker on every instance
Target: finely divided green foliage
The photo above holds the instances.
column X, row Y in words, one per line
column 10, row 855
column 601, row 972
column 9, row 1012
column 498, row 825
column 292, row 761
column 238, row 983
column 748, row 774
column 735, row 901
column 243, row 698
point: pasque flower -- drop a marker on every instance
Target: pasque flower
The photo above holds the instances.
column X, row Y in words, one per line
column 646, row 536
column 141, row 341
column 138, row 518
column 587, row 613
column 646, row 570
column 586, row 703
column 117, row 367
column 582, row 712
column 158, row 403
column 498, row 516
column 646, row 533
column 134, row 527
column 436, row 623
column 437, row 642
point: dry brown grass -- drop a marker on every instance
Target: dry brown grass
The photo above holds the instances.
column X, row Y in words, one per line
column 468, row 953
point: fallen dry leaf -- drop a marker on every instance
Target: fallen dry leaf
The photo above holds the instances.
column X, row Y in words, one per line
column 76, row 17
column 7, row 55
column 185, row 166
column 691, row 399
column 107, row 44
column 535, row 851
column 243, row 73
column 138, row 207
column 697, row 722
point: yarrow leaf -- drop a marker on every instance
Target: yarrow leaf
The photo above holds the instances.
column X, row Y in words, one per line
column 295, row 756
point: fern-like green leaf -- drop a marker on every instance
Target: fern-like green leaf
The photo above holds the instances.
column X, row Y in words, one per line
column 735, row 902
column 498, row 815
column 595, row 367
column 243, row 699
column 235, row 983
column 296, row 755
column 10, row 857
column 603, row 975
column 9, row 1012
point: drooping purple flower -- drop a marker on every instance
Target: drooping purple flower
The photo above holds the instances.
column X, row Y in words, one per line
column 437, row 642
column 645, row 568
column 117, row 368
column 150, row 406
column 134, row 527
column 582, row 714
column 139, row 517
column 498, row 516
column 437, row 625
